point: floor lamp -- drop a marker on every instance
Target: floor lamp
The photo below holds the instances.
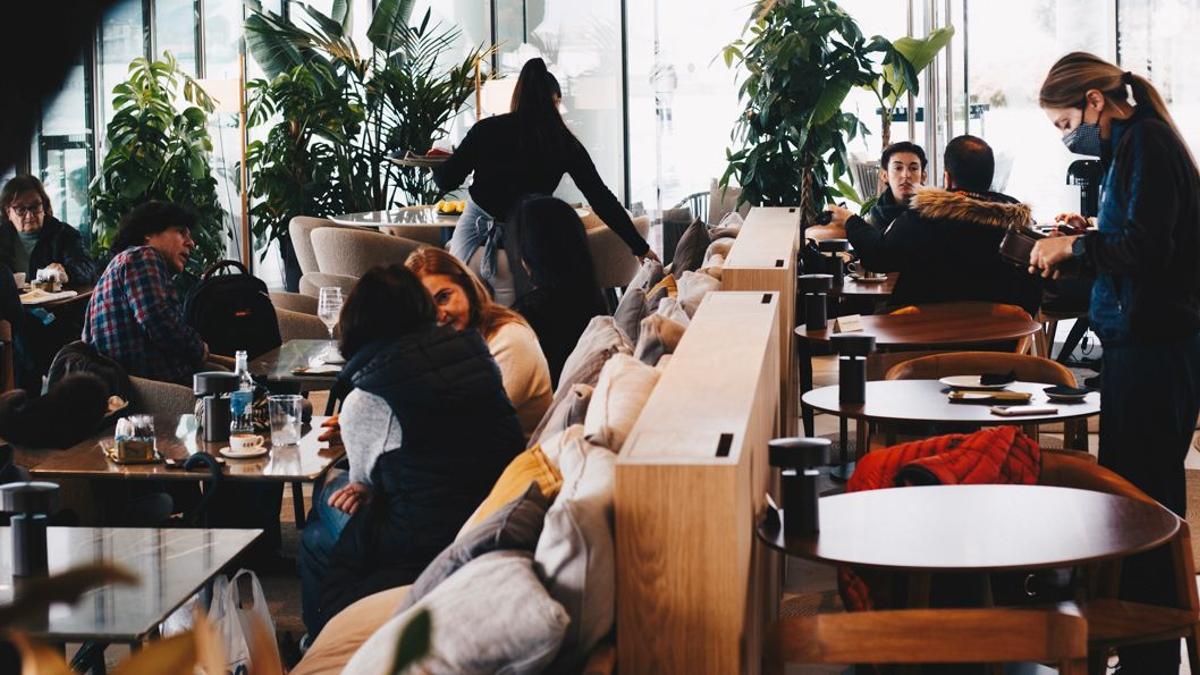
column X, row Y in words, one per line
column 229, row 96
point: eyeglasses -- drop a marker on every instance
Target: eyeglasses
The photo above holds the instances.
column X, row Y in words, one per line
column 31, row 210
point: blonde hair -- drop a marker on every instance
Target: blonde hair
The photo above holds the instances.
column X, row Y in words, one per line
column 1072, row 76
column 485, row 315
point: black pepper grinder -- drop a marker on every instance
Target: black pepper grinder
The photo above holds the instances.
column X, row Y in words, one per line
column 815, row 288
column 852, row 350
column 30, row 505
column 797, row 460
column 835, row 266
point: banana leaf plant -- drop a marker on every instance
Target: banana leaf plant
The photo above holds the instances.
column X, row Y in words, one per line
column 904, row 60
column 355, row 109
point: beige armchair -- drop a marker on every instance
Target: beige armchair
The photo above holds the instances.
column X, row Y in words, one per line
column 165, row 399
column 299, row 230
column 615, row 265
column 299, row 325
column 294, row 302
column 311, row 283
column 351, row 252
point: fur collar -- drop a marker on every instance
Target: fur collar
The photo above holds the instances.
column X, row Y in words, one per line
column 984, row 209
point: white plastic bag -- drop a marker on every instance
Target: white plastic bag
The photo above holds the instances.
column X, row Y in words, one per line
column 232, row 619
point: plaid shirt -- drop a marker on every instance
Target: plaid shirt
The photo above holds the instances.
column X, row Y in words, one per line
column 135, row 318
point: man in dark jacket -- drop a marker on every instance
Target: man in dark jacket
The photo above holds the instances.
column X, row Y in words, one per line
column 31, row 238
column 946, row 247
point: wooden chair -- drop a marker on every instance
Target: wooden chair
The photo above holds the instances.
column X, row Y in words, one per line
column 7, row 359
column 912, row 636
column 1117, row 623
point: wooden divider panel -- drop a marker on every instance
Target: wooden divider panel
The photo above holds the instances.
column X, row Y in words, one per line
column 763, row 258
column 694, row 586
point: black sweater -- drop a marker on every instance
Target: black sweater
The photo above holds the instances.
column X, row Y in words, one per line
column 504, row 173
column 57, row 243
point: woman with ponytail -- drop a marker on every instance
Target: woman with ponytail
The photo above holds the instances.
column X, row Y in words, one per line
column 523, row 152
column 1145, row 304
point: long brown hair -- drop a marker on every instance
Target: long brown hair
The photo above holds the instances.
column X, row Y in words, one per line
column 486, row 316
column 19, row 185
column 1072, row 76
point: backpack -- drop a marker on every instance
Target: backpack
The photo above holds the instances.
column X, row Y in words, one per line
column 233, row 311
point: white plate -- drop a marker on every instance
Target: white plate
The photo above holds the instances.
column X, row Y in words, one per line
column 872, row 280
column 334, row 358
column 257, row 452
column 969, row 382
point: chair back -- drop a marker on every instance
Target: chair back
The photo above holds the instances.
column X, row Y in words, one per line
column 299, row 230
column 936, row 366
column 1061, row 470
column 165, row 399
column 722, row 202
column 300, row 325
column 294, row 302
column 430, row 236
column 351, row 252
column 312, row 283
column 615, row 265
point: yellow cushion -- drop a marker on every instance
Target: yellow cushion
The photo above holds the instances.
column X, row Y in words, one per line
column 530, row 466
column 667, row 282
column 347, row 631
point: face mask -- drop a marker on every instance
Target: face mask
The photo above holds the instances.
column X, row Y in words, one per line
column 1084, row 139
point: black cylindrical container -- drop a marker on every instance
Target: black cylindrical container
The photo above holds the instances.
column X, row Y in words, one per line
column 835, row 266
column 29, row 544
column 815, row 287
column 216, row 418
column 797, row 460
column 852, row 349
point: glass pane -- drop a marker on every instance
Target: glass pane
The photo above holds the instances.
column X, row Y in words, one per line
column 1155, row 41
column 120, row 42
column 62, row 149
column 175, row 32
column 1002, row 85
column 65, row 175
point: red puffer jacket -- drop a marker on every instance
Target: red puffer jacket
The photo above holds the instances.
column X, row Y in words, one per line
column 999, row 455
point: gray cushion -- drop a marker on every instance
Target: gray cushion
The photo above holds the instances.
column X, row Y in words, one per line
column 515, row 526
column 493, row 616
column 567, row 411
column 658, row 336
column 599, row 341
column 650, row 273
column 689, row 254
column 630, row 311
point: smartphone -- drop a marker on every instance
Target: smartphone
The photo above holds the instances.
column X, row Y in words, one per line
column 1017, row 410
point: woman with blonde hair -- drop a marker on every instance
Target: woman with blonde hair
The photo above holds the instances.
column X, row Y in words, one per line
column 463, row 302
column 1145, row 305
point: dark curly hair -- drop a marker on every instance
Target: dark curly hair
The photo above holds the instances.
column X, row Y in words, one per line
column 149, row 219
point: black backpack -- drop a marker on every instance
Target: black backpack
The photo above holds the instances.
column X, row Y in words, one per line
column 233, row 311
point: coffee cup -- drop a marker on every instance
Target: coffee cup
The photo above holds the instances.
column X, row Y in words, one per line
column 19, row 279
column 245, row 442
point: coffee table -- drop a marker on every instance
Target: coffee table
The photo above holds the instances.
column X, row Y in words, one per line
column 276, row 366
column 877, row 290
column 171, row 565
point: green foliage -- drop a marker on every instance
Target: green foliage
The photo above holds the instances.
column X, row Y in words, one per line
column 903, row 62
column 801, row 59
column 158, row 150
column 335, row 114
column 414, row 642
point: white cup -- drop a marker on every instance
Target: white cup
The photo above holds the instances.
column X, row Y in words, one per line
column 245, row 442
column 19, row 279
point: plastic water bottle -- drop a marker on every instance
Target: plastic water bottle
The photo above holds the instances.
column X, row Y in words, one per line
column 241, row 402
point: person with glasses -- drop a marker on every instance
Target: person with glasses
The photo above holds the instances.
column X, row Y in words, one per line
column 31, row 238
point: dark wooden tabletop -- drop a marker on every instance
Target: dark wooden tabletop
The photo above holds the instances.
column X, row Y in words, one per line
column 941, row 324
column 927, row 401
column 304, row 462
column 977, row 528
column 278, row 365
column 881, row 289
column 170, row 564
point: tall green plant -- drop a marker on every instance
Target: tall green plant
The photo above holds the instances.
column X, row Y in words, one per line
column 159, row 148
column 801, row 59
column 903, row 61
column 399, row 95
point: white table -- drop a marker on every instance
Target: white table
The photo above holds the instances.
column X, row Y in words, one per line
column 420, row 223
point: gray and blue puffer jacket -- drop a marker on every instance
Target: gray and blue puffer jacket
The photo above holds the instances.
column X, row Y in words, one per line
column 1146, row 250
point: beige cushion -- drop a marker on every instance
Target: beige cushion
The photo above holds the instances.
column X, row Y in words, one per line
column 670, row 308
column 598, row 342
column 347, row 631
column 714, row 266
column 693, row 286
column 312, row 283
column 625, row 384
column 491, row 616
column 650, row 273
column 719, row 247
column 552, row 445
column 658, row 337
column 575, row 552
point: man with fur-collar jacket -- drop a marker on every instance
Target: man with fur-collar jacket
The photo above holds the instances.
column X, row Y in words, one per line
column 946, row 247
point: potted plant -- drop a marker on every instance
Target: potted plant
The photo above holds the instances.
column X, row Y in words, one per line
column 903, row 62
column 159, row 148
column 801, row 59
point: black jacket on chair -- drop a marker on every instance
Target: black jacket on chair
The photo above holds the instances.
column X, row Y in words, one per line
column 57, row 243
column 459, row 432
column 946, row 247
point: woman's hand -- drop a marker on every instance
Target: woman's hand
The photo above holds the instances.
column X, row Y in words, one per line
column 650, row 255
column 840, row 215
column 1073, row 220
column 350, row 497
column 1048, row 253
column 333, row 431
column 60, row 270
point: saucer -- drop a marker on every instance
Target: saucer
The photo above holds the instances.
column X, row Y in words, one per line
column 256, row 452
column 1066, row 394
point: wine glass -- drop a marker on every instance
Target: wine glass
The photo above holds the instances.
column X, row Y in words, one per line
column 329, row 309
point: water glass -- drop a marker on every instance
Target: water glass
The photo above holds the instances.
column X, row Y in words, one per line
column 285, row 410
column 329, row 308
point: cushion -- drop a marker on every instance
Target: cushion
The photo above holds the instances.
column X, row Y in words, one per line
column 658, row 337
column 667, row 282
column 347, row 631
column 689, row 254
column 567, row 410
column 629, row 312
column 719, row 246
column 670, row 308
column 530, row 466
column 554, row 443
column 649, row 274
column 654, row 297
column 693, row 286
column 598, row 342
column 516, row 525
column 575, row 553
column 493, row 616
column 625, row 384
column 724, row 232
column 714, row 266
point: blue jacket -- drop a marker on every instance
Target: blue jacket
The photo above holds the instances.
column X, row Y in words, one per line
column 460, row 431
column 1146, row 250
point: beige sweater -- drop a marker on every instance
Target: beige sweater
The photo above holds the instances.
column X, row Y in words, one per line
column 524, row 371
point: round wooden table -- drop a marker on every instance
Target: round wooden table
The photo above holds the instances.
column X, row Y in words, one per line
column 926, row 401
column 949, row 324
column 977, row 528
column 878, row 290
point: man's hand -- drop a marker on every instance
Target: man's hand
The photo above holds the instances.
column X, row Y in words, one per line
column 333, row 431
column 1048, row 253
column 350, row 497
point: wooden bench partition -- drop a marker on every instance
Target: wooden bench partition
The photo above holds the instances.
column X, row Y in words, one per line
column 763, row 258
column 694, row 586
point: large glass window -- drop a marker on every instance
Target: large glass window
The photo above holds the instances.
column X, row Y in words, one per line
column 1156, row 41
column 121, row 40
column 62, row 156
column 175, row 24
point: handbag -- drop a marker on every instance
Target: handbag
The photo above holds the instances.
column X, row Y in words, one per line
column 1018, row 243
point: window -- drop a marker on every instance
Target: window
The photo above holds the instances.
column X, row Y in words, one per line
column 175, row 24
column 120, row 41
column 1155, row 41
column 62, row 152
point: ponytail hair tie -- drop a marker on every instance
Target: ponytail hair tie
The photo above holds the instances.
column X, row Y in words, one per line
column 1127, row 78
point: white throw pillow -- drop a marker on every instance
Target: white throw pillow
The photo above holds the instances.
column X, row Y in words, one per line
column 491, row 616
column 575, row 553
column 670, row 308
column 693, row 286
column 625, row 384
